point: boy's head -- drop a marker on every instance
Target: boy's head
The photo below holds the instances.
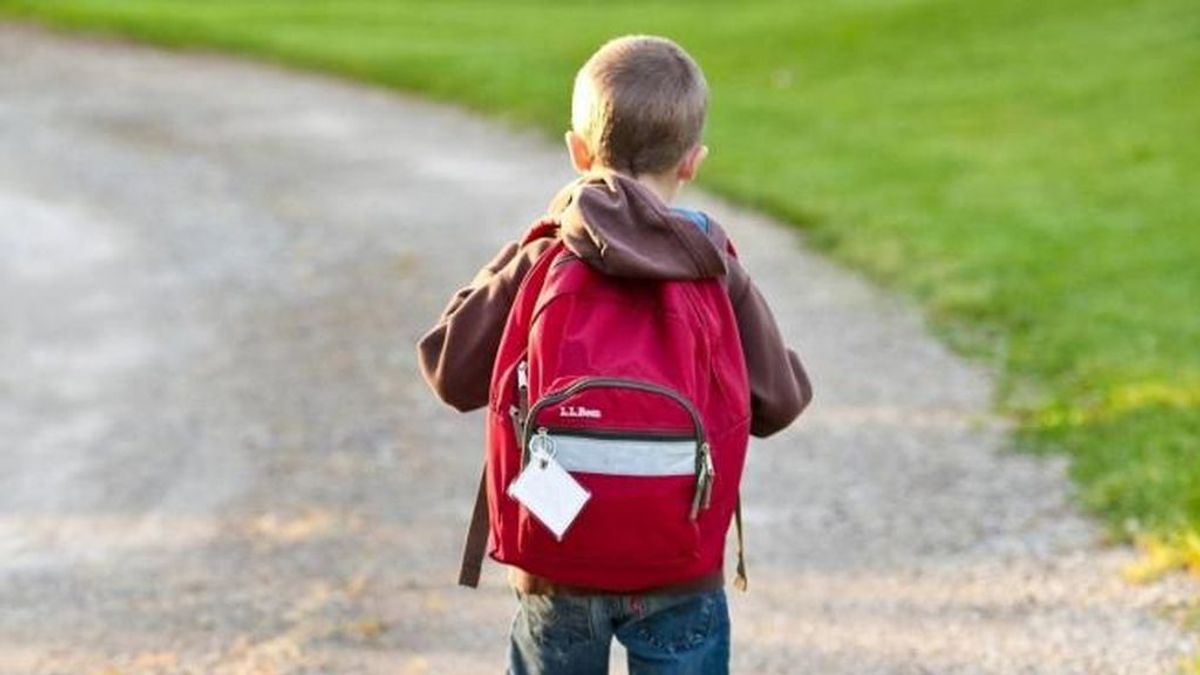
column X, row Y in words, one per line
column 638, row 108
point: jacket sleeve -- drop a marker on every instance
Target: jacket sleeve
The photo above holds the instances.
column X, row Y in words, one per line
column 779, row 386
column 456, row 355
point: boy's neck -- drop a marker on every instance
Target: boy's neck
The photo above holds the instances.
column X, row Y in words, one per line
column 665, row 187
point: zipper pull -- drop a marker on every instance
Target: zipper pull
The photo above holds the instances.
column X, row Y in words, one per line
column 697, row 498
column 523, row 375
column 703, row 494
column 710, row 473
column 514, row 415
column 521, row 412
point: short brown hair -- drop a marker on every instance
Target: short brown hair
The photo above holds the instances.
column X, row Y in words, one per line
column 640, row 103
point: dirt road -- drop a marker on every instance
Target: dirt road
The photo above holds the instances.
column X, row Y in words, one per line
column 218, row 456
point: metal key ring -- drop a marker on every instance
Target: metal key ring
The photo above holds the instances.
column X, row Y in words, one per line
column 541, row 446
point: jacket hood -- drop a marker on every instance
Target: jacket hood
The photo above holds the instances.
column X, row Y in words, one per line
column 621, row 228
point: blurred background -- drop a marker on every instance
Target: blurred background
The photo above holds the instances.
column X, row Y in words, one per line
column 1024, row 170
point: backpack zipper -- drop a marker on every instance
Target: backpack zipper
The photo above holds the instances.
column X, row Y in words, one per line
column 705, row 472
column 623, row 434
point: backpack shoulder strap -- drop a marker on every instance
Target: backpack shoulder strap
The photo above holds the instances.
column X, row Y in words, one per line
column 540, row 229
column 740, row 581
column 475, row 545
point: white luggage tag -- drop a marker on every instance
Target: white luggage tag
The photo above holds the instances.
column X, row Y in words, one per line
column 551, row 494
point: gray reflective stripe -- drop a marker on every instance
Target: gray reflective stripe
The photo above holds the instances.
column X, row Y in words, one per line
column 625, row 457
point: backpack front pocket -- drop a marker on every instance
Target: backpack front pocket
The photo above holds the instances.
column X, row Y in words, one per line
column 639, row 449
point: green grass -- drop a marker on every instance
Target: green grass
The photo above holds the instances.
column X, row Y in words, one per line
column 1028, row 170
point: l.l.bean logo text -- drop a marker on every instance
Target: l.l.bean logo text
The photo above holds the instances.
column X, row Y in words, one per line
column 578, row 411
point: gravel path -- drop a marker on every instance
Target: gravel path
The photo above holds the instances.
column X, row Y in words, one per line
column 218, row 456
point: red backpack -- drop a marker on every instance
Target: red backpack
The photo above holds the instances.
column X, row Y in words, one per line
column 640, row 387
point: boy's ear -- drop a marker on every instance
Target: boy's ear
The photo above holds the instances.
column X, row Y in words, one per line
column 691, row 162
column 581, row 155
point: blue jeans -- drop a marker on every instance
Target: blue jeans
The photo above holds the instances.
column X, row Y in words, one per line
column 684, row 634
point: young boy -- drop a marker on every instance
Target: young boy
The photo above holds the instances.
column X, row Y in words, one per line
column 637, row 113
